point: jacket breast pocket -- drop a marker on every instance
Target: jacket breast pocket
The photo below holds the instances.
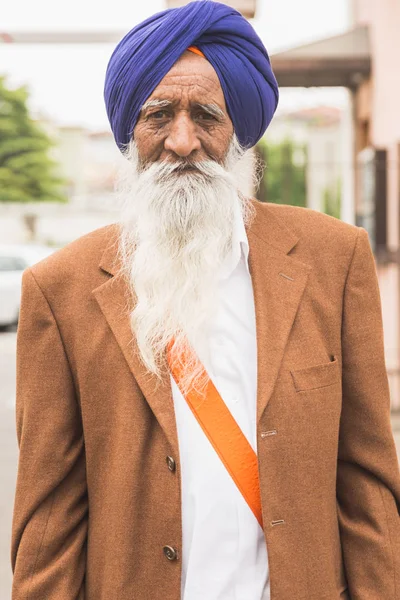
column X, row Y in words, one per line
column 316, row 376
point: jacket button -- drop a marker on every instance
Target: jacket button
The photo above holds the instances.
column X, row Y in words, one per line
column 170, row 552
column 171, row 463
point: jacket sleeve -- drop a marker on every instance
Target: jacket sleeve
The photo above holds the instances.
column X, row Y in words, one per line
column 368, row 479
column 49, row 529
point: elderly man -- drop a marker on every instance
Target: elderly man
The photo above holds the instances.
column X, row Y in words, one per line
column 202, row 399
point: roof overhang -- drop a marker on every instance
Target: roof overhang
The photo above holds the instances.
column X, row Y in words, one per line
column 246, row 7
column 342, row 60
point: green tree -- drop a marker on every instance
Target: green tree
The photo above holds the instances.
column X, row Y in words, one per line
column 332, row 199
column 284, row 180
column 27, row 172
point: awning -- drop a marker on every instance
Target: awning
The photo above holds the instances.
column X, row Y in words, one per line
column 342, row 60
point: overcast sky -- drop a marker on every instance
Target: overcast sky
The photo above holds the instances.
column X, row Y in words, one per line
column 66, row 81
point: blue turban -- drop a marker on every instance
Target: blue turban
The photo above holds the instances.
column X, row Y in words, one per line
column 147, row 52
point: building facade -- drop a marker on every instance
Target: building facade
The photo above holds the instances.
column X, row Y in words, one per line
column 377, row 130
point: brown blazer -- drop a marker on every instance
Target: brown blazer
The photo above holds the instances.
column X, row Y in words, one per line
column 96, row 501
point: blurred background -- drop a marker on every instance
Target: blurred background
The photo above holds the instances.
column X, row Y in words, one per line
column 333, row 146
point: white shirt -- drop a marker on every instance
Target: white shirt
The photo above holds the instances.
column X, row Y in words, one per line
column 224, row 554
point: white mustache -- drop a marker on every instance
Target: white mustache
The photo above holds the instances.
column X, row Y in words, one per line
column 201, row 170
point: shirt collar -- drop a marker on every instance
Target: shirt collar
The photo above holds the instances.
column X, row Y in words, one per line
column 240, row 246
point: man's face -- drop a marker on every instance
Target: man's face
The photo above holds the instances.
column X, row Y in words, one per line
column 185, row 117
column 180, row 194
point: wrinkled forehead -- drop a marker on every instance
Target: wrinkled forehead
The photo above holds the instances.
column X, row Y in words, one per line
column 192, row 79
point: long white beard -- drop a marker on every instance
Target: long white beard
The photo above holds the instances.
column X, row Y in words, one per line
column 175, row 233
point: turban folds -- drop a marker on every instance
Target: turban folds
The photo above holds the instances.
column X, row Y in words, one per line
column 147, row 52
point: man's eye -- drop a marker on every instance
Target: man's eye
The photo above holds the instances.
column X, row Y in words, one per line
column 160, row 114
column 204, row 116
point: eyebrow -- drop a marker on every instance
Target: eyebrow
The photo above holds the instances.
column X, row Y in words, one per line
column 211, row 108
column 156, row 104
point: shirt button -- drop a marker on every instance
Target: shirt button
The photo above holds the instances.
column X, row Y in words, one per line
column 170, row 552
column 171, row 463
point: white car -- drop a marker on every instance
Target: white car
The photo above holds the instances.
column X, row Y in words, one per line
column 14, row 258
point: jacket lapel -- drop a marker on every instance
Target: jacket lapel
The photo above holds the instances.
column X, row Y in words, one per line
column 113, row 299
column 278, row 280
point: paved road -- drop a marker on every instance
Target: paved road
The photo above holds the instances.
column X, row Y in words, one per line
column 9, row 454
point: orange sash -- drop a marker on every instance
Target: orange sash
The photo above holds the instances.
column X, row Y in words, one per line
column 225, row 435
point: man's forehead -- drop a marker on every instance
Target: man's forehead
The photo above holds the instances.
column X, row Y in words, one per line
column 191, row 77
column 190, row 64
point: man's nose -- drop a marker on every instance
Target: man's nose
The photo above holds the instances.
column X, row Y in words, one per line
column 182, row 138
